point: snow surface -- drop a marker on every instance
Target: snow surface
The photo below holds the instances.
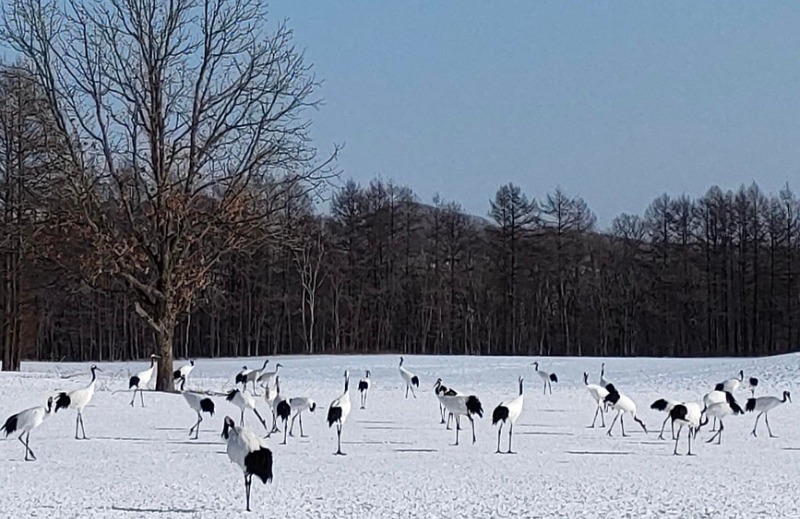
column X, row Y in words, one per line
column 140, row 462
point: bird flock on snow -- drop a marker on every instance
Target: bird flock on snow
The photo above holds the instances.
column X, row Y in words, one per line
column 250, row 452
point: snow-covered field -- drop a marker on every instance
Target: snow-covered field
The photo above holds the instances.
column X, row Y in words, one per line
column 140, row 462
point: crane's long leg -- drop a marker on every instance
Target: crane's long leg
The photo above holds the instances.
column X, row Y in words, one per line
column 339, row 440
column 258, row 415
column 284, row 432
column 412, row 391
column 196, row 427
column 241, row 418
column 28, row 447
column 611, row 427
column 365, row 398
column 689, row 440
column 550, row 385
column 510, row 433
column 141, row 397
column 302, row 434
column 756, row 425
column 406, row 389
column 544, row 391
column 458, row 427
column 596, row 412
column 664, row 424
column 622, row 424
column 449, row 418
column 677, row 437
column 602, row 416
column 473, row 428
column 291, row 427
column 441, row 412
column 247, row 481
column 766, row 419
column 498, row 438
column 274, row 421
column 83, row 431
column 672, row 428
column 717, row 435
column 714, row 427
column 77, row 423
column 134, row 397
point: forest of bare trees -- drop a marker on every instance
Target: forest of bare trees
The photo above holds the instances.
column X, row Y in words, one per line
column 158, row 190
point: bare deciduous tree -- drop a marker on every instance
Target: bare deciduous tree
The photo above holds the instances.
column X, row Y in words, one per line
column 186, row 128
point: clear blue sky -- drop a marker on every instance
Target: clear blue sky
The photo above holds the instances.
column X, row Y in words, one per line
column 615, row 101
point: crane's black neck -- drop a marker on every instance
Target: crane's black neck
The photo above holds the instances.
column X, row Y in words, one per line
column 152, row 361
column 346, row 384
column 266, row 361
column 520, row 386
column 94, row 374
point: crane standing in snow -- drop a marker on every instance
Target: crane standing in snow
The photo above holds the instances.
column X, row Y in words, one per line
column 298, row 405
column 245, row 449
column 26, row 421
column 267, row 378
column 443, row 391
column 599, row 394
column 183, row 372
column 142, row 379
column 468, row 406
column 623, row 404
column 508, row 411
column 338, row 411
column 198, row 404
column 690, row 415
column 763, row 405
column 244, row 400
column 363, row 389
column 547, row 378
column 78, row 400
column 250, row 375
column 409, row 378
column 665, row 406
column 719, row 411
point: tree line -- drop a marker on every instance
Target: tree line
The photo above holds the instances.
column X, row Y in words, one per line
column 158, row 192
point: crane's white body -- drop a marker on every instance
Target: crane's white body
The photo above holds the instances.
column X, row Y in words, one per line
column 409, row 378
column 598, row 393
column 338, row 412
column 507, row 412
column 26, row 421
column 78, row 400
